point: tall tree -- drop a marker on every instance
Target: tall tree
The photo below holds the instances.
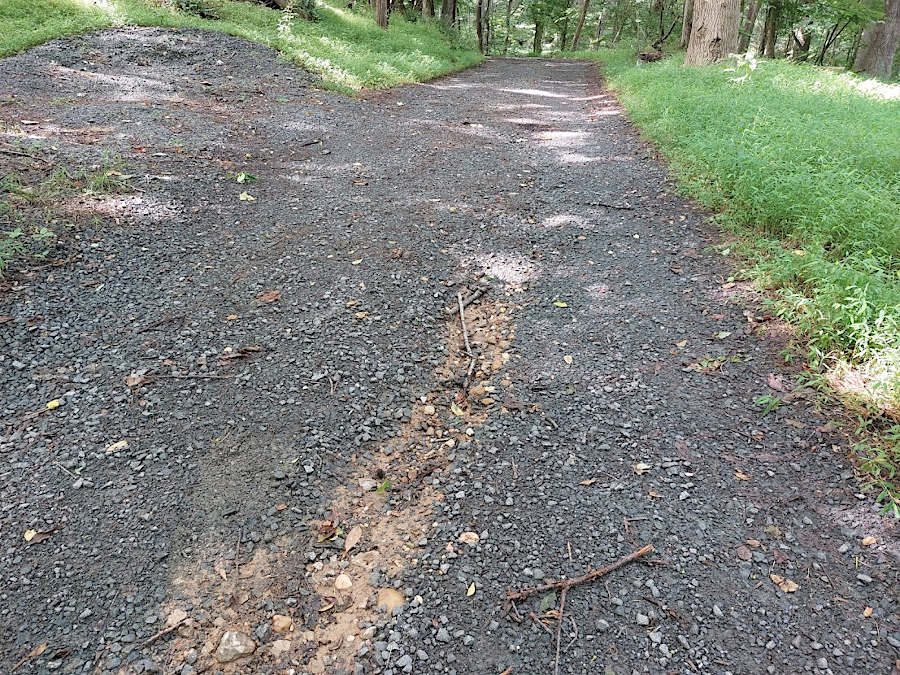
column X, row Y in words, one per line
column 448, row 13
column 714, row 34
column 748, row 25
column 770, row 29
column 687, row 20
column 880, row 42
column 581, row 18
column 427, row 9
column 381, row 13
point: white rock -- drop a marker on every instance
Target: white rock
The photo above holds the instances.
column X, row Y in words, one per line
column 234, row 645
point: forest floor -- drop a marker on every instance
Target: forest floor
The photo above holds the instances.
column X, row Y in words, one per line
column 241, row 415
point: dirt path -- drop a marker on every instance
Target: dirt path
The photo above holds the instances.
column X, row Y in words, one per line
column 238, row 366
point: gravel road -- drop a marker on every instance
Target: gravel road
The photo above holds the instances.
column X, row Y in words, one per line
column 243, row 432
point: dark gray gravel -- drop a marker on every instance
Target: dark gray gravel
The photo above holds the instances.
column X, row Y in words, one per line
column 516, row 170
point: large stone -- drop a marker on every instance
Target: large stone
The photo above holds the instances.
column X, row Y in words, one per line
column 281, row 623
column 343, row 582
column 234, row 645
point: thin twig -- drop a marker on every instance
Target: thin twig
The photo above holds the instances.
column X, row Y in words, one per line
column 559, row 625
column 620, row 207
column 534, row 617
column 153, row 638
column 575, row 628
column 71, row 475
column 192, row 376
column 462, row 320
column 590, row 576
column 100, row 650
column 468, row 301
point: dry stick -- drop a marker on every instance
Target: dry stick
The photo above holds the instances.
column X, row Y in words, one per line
column 468, row 301
column 462, row 320
column 100, row 650
column 590, row 576
column 559, row 625
column 190, row 376
column 165, row 631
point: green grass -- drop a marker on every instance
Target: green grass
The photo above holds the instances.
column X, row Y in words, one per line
column 805, row 167
column 344, row 47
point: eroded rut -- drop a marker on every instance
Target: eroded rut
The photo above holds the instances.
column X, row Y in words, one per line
column 268, row 425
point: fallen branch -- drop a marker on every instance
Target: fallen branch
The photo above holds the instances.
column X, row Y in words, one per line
column 620, row 207
column 468, row 301
column 590, row 576
column 153, row 638
column 559, row 625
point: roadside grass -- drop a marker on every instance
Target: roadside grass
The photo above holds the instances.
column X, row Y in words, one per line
column 344, row 47
column 803, row 164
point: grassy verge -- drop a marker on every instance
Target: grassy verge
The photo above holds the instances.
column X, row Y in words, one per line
column 804, row 165
column 344, row 47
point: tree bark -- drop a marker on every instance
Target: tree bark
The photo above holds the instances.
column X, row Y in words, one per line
column 687, row 20
column 880, row 42
column 448, row 13
column 381, row 13
column 538, row 37
column 428, row 9
column 748, row 26
column 580, row 26
column 770, row 30
column 714, row 34
column 801, row 40
column 479, row 25
column 599, row 32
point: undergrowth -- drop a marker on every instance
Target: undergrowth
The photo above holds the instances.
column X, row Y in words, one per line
column 343, row 46
column 804, row 164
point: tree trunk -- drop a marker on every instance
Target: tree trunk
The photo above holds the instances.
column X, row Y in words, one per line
column 580, row 26
column 448, row 13
column 714, row 34
column 880, row 42
column 381, row 13
column 748, row 26
column 801, row 39
column 770, row 30
column 509, row 9
column 599, row 32
column 538, row 37
column 687, row 20
column 479, row 25
column 428, row 9
column 564, row 34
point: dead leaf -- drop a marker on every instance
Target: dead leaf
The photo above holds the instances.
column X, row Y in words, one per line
column 721, row 335
column 471, row 591
column 270, row 296
column 281, row 507
column 135, row 380
column 654, row 495
column 754, row 543
column 773, row 530
column 681, row 344
column 456, row 410
column 740, row 475
column 33, row 537
column 246, row 197
column 640, row 468
column 785, row 584
column 589, row 481
column 115, row 447
column 869, row 541
column 867, row 612
column 568, row 359
column 744, row 553
column 470, row 538
column 548, row 602
column 774, row 382
column 353, row 537
column 795, row 424
column 357, row 262
column 53, row 405
column 231, row 317
column 361, row 315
